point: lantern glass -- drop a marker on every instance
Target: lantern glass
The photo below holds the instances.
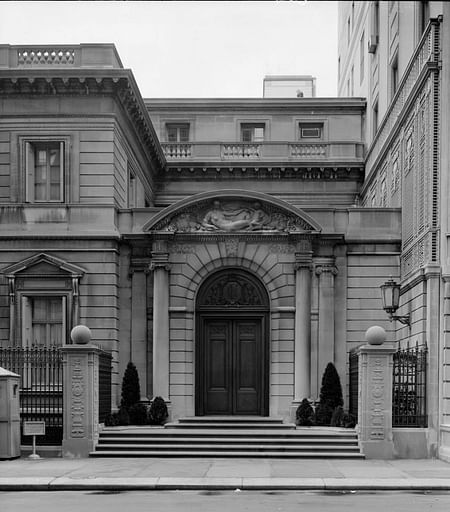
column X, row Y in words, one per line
column 390, row 294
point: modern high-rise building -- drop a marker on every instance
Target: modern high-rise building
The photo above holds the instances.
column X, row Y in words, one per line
column 396, row 55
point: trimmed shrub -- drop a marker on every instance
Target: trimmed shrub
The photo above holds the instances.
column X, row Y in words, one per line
column 138, row 414
column 112, row 420
column 131, row 392
column 323, row 415
column 337, row 417
column 304, row 414
column 331, row 390
column 348, row 421
column 123, row 416
column 158, row 412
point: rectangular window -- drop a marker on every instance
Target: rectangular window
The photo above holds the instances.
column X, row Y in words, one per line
column 362, row 50
column 44, row 162
column 177, row 132
column 375, row 119
column 43, row 321
column 374, row 27
column 252, row 132
column 394, row 76
column 310, row 130
column 352, row 81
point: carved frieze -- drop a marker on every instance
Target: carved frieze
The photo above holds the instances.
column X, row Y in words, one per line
column 233, row 215
column 232, row 290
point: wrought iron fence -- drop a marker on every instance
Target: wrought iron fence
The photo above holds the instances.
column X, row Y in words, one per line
column 104, row 384
column 409, row 403
column 353, row 376
column 41, row 392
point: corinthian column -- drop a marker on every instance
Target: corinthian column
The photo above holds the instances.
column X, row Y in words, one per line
column 326, row 270
column 160, row 267
column 302, row 347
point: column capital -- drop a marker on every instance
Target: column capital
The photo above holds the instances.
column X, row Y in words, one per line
column 325, row 268
column 303, row 260
column 159, row 260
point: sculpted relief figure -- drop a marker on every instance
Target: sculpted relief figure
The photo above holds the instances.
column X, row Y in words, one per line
column 225, row 220
column 234, row 216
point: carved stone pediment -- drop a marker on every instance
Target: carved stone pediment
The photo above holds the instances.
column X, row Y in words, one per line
column 228, row 215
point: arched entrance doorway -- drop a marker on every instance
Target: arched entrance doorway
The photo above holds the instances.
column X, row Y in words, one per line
column 232, row 354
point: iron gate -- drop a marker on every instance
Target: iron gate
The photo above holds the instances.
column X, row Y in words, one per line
column 41, row 392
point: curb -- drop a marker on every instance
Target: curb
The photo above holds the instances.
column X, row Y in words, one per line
column 223, row 484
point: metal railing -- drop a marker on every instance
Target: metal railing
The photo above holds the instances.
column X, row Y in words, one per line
column 41, row 388
column 104, row 385
column 353, row 376
column 409, row 403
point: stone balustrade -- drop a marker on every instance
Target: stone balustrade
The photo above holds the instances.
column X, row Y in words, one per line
column 61, row 56
column 351, row 152
column 177, row 150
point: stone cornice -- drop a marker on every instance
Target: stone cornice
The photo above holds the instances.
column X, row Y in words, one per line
column 85, row 82
column 314, row 171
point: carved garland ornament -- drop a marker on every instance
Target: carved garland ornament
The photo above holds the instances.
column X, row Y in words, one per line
column 233, row 216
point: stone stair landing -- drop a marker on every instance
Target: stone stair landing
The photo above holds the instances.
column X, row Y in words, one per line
column 236, row 436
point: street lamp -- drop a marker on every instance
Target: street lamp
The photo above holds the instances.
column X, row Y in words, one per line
column 390, row 294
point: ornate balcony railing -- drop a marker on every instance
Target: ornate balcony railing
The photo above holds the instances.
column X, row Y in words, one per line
column 59, row 56
column 265, row 151
column 177, row 150
column 240, row 151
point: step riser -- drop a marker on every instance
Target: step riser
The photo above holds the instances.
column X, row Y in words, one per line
column 228, row 437
column 230, row 455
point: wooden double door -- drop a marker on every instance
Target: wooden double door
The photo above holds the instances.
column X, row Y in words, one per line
column 232, row 365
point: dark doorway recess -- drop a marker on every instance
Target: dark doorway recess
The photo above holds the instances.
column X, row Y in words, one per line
column 232, row 354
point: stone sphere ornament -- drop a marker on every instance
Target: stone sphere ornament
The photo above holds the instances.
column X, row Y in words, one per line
column 81, row 335
column 375, row 335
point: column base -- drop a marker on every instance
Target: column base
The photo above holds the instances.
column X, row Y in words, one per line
column 378, row 449
column 77, row 448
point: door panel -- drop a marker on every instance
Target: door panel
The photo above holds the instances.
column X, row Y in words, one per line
column 247, row 363
column 217, row 378
column 232, row 350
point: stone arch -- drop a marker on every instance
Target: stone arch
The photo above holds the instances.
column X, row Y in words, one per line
column 232, row 344
column 297, row 219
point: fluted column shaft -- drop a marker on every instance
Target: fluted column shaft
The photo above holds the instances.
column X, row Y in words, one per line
column 302, row 347
column 160, row 268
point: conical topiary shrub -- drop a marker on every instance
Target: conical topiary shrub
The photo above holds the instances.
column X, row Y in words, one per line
column 131, row 392
column 304, row 414
column 331, row 390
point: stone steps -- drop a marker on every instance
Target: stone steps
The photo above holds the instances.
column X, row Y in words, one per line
column 228, row 437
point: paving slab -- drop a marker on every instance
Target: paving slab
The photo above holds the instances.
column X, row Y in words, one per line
column 223, row 473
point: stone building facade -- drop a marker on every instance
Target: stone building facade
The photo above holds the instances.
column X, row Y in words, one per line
column 396, row 54
column 218, row 244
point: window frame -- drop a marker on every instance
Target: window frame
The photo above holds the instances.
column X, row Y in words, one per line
column 25, row 322
column 249, row 125
column 178, row 125
column 310, row 125
column 28, row 146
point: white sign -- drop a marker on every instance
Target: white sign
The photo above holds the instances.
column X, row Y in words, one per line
column 34, row 428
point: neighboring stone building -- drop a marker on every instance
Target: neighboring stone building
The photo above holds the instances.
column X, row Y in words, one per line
column 391, row 54
column 229, row 248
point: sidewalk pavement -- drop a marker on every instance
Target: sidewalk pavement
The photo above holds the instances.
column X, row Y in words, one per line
column 56, row 474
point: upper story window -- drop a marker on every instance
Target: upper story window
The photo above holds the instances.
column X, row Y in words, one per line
column 252, row 132
column 310, row 130
column 44, row 162
column 177, row 132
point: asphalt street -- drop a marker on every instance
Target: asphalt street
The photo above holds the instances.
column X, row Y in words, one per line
column 224, row 501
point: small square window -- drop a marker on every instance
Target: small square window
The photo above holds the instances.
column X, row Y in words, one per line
column 44, row 162
column 252, row 132
column 311, row 130
column 177, row 132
